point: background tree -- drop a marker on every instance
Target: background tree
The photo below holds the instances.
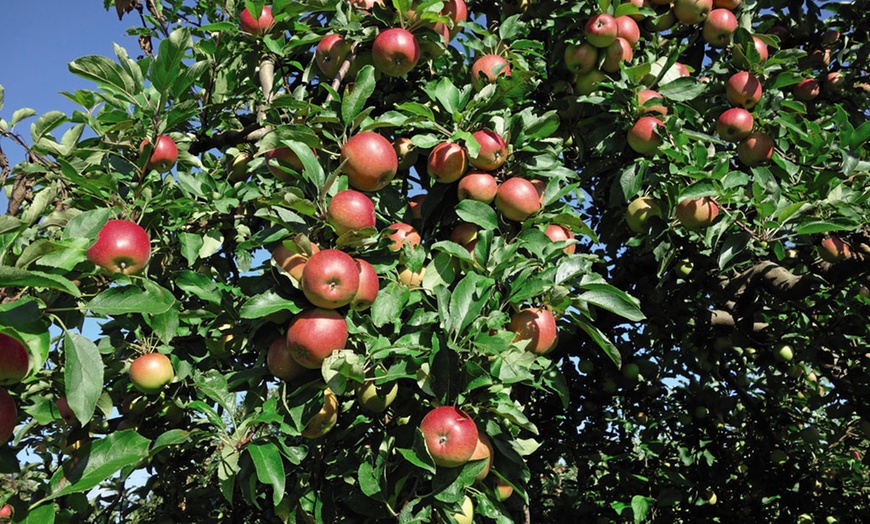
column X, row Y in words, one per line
column 621, row 248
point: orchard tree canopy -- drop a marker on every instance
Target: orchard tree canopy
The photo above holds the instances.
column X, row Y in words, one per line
column 444, row 261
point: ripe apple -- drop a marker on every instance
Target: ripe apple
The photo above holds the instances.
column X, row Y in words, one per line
column 450, row 436
column 586, row 84
column 718, row 27
column 493, row 151
column 502, row 489
column 291, row 262
column 486, row 69
column 639, row 211
column 691, row 12
column 616, row 53
column 401, row 234
column 833, row 250
column 656, row 110
column 395, row 52
column 405, row 152
column 14, row 360
column 682, row 69
column 411, row 279
column 330, row 279
column 330, row 53
column 283, row 157
column 415, row 204
column 743, row 89
column 369, row 161
column 581, row 58
column 601, row 30
column 727, row 4
column 478, row 186
column 350, row 210
column 538, row 326
column 151, row 372
column 6, row 512
column 261, row 25
column 833, row 82
column 644, row 137
column 376, row 398
column 807, row 89
column 483, row 450
column 558, row 233
column 65, row 412
column 164, row 155
column 447, row 162
column 8, row 416
column 314, row 334
column 464, row 233
column 627, row 28
column 369, row 285
column 280, row 361
column 755, row 149
column 734, row 124
column 517, row 199
column 457, row 11
column 697, row 213
column 324, row 420
column 121, row 247
column 761, row 48
column 466, row 514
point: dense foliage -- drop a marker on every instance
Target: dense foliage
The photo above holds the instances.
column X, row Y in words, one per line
column 705, row 370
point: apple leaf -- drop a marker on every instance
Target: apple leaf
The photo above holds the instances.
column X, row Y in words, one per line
column 477, row 213
column 267, row 303
column 83, row 375
column 270, row 468
column 42, row 515
column 354, row 99
column 418, row 455
column 107, row 74
column 131, row 299
column 167, row 66
column 17, row 277
column 467, row 300
column 389, row 304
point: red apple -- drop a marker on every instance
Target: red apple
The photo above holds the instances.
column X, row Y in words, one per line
column 369, row 285
column 121, row 247
column 743, row 89
column 8, row 416
column 639, row 211
column 517, row 199
column 601, row 30
column 682, row 70
column 657, row 110
column 502, row 489
column 644, row 137
column 761, row 48
column 324, row 420
column 727, row 4
column 734, row 124
column 65, row 412
column 330, row 53
column 616, row 53
column 447, row 162
column 627, row 28
column 283, row 157
column 151, row 372
column 691, row 12
column 483, row 450
column 478, row 186
column 806, row 90
column 6, row 513
column 406, row 153
column 314, row 334
column 833, row 250
column 164, row 155
column 350, row 210
column 401, row 234
column 718, row 27
column 14, row 360
column 457, row 11
column 558, row 233
column 366, row 4
column 415, row 204
column 395, row 52
column 450, row 436
column 538, row 327
column 581, row 59
column 697, row 213
column 291, row 262
column 261, row 25
column 637, row 17
column 369, row 161
column 464, row 233
column 330, row 279
column 833, row 82
column 487, row 68
column 493, row 151
column 280, row 361
column 755, row 149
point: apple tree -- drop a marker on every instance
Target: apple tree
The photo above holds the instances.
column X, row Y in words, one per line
column 444, row 261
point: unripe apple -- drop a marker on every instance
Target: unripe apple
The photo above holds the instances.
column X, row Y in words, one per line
column 324, row 420
column 14, row 360
column 558, row 233
column 743, row 89
column 395, row 52
column 330, row 53
column 656, row 110
column 833, row 250
column 280, row 361
column 755, row 149
column 369, row 285
column 538, row 327
column 644, row 137
column 464, row 233
column 369, row 161
column 639, row 211
column 662, row 22
column 405, row 152
column 466, row 514
column 581, row 58
column 785, row 353
column 8, row 416
column 291, row 262
column 586, row 84
column 121, row 247
column 151, row 372
column 691, row 12
column 616, row 53
column 486, row 69
column 164, row 155
column 483, row 450
column 517, row 199
column 478, row 186
column 410, row 278
column 376, row 398
column 806, row 90
column 283, row 157
column 718, row 27
column 447, row 162
column 493, row 151
column 350, row 210
column 237, row 167
column 314, row 334
column 685, row 267
column 697, row 213
column 734, row 124
column 330, row 279
column 259, row 26
column 601, row 30
column 627, row 28
column 450, row 436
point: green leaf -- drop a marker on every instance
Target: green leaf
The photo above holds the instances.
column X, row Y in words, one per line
column 355, row 98
column 83, row 375
column 418, row 455
column 826, row 226
column 129, row 299
column 601, row 339
column 389, row 304
column 448, row 95
column 199, row 285
column 107, row 74
column 23, row 319
column 641, row 506
column 467, row 301
column 167, row 66
column 45, row 124
column 270, row 468
column 42, row 515
column 267, row 303
column 477, row 213
column 17, row 277
column 190, row 246
column 682, row 89
column 369, row 482
column 21, row 114
column 214, row 385
column 612, row 299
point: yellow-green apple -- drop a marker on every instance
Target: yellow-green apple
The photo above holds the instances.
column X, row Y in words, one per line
column 487, row 68
column 616, row 53
column 559, row 233
column 450, row 436
column 395, row 52
column 834, row 249
column 493, row 151
column 65, row 411
column 121, row 247
column 718, row 27
column 743, row 89
column 806, row 90
column 691, row 12
column 8, row 416
column 697, row 213
column 627, row 28
column 483, row 450
column 581, row 58
column 369, row 285
column 405, row 152
column 447, row 162
column 466, row 513
column 237, row 167
column 685, row 267
column 538, row 327
column 369, row 161
column 785, row 353
column 464, row 233
column 662, row 22
column 411, row 279
column 478, row 186
column 601, row 30
column 324, row 420
column 734, row 124
column 640, row 211
column 330, row 53
column 314, row 334
column 401, row 233
column 278, row 160
column 151, row 372
column 330, row 279
column 292, row 262
column 517, row 199
column 376, row 398
column 257, row 26
column 587, row 83
column 280, row 361
column 502, row 489
column 656, row 109
column 755, row 149
column 14, row 360
column 164, row 155
column 350, row 210
column 644, row 137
